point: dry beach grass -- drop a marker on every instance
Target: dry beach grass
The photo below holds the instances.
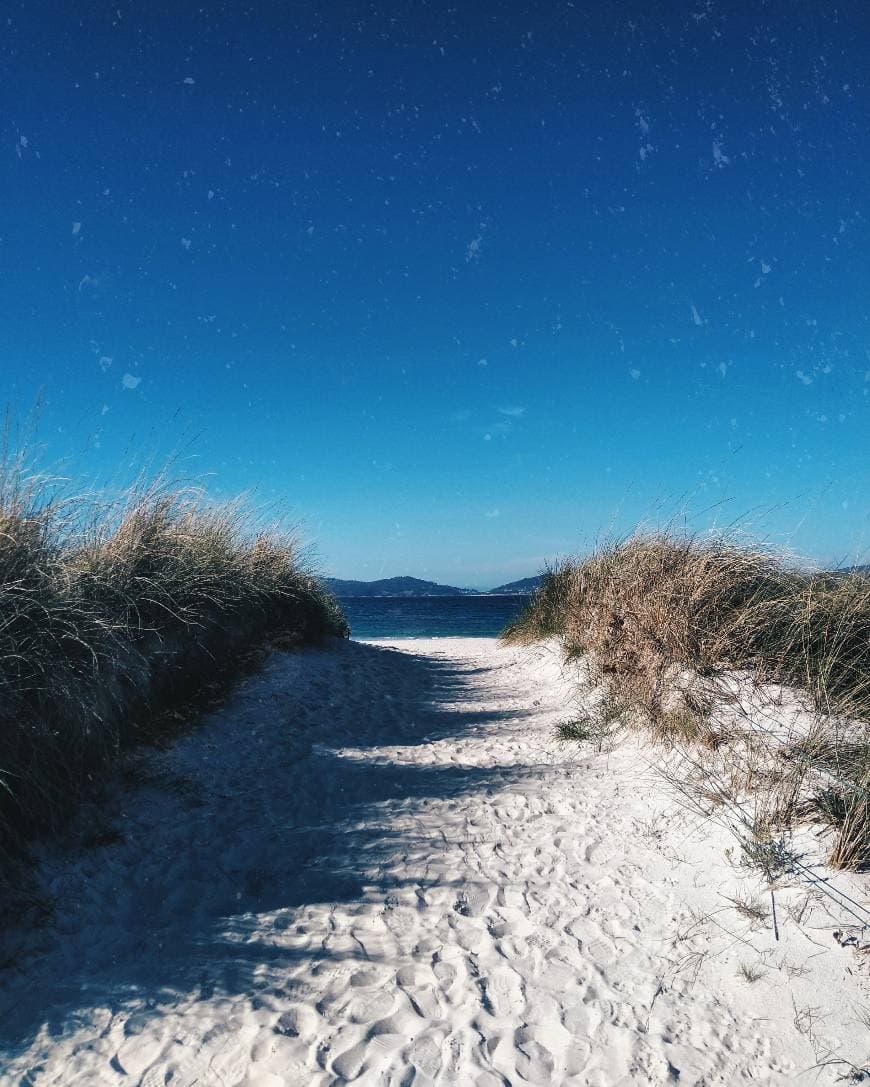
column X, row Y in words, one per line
column 755, row 671
column 111, row 613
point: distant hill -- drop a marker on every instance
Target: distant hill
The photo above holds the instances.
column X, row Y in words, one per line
column 524, row 585
column 395, row 586
column 414, row 586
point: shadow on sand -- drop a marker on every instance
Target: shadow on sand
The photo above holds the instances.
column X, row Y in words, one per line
column 284, row 806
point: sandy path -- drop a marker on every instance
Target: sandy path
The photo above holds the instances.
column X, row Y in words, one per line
column 376, row 866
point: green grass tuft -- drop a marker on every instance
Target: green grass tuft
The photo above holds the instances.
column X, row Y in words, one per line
column 578, row 731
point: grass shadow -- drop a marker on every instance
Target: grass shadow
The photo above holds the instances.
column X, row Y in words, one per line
column 309, row 792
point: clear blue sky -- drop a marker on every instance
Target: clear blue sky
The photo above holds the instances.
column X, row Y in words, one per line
column 464, row 286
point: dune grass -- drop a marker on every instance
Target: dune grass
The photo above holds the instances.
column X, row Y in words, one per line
column 112, row 613
column 669, row 621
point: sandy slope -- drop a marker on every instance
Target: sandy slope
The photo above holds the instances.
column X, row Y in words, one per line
column 376, row 866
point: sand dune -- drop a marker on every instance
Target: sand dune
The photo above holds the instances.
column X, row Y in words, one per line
column 376, row 865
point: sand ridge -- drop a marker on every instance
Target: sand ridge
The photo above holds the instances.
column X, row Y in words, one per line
column 376, row 865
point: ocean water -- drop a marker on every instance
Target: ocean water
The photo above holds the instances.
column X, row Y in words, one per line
column 431, row 616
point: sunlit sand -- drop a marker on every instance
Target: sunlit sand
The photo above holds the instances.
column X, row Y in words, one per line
column 377, row 865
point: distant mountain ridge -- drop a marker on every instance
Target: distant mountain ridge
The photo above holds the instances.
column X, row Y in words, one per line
column 524, row 585
column 414, row 586
column 394, row 586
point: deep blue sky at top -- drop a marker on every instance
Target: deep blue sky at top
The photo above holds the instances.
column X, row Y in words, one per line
column 465, row 284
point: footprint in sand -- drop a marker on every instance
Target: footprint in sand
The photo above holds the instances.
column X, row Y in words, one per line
column 402, row 1022
column 299, row 1022
column 368, row 1007
column 473, row 901
column 401, row 921
column 561, row 977
column 498, row 928
column 137, row 1053
column 419, row 985
column 349, row 1064
column 467, row 934
column 501, row 992
column 365, row 1057
column 279, row 1056
column 534, row 1061
column 513, row 948
column 445, row 974
column 369, row 976
column 425, row 1054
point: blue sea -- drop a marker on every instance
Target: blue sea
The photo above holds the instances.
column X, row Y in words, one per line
column 431, row 616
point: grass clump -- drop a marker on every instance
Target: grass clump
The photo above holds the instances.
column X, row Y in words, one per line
column 647, row 603
column 750, row 908
column 578, row 730
column 111, row 615
column 672, row 622
column 750, row 974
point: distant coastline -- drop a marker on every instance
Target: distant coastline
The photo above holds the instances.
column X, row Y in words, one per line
column 410, row 587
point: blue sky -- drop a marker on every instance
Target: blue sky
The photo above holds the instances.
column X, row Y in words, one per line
column 461, row 289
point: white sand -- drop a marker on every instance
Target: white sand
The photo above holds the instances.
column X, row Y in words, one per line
column 376, row 865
